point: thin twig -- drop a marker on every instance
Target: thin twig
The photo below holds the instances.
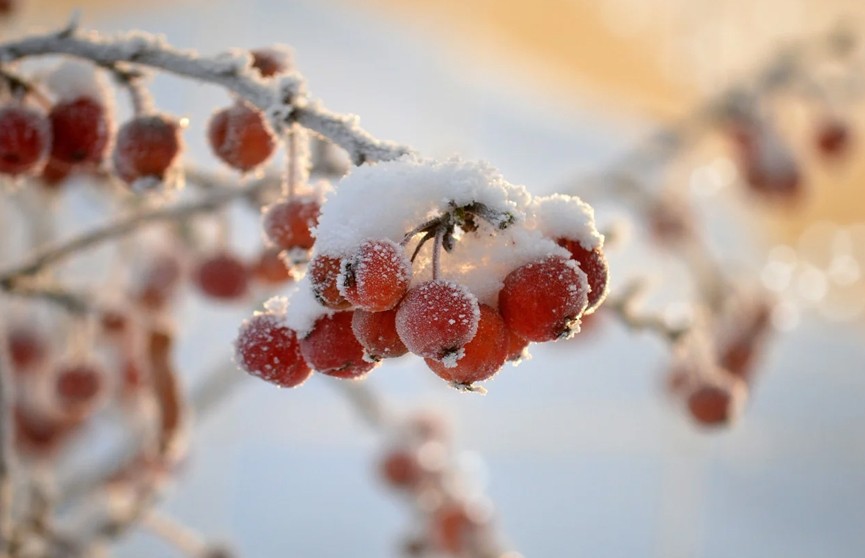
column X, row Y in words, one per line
column 365, row 402
column 623, row 306
column 120, row 228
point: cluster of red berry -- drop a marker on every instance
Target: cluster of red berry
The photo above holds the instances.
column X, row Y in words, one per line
column 71, row 130
column 768, row 165
column 362, row 299
column 715, row 386
column 454, row 519
column 56, row 393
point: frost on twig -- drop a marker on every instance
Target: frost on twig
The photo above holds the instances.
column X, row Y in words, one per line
column 282, row 100
column 214, row 199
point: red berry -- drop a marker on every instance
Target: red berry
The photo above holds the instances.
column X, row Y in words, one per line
column 27, row 348
column 7, row 7
column 159, row 281
column 437, row 318
column 268, row 349
column 484, row 355
column 113, row 322
column 767, row 165
column 453, row 527
column 80, row 130
column 376, row 331
column 37, row 433
column 516, row 347
column 54, row 173
column 332, row 349
column 716, row 404
column 400, row 469
column 270, row 61
column 833, row 138
column 25, row 136
column 147, row 147
column 323, row 274
column 270, row 268
column 77, row 387
column 738, row 357
column 222, row 276
column 377, row 276
column 594, row 264
column 288, row 223
column 240, row 137
column 543, row 300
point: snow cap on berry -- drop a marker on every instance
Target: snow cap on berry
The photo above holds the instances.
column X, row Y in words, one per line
column 73, row 79
column 300, row 308
column 388, row 199
column 563, row 216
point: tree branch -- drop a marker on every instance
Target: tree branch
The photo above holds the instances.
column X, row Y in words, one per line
column 282, row 99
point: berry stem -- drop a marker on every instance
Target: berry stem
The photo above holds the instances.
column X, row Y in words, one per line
column 623, row 306
column 437, row 250
column 426, row 226
column 298, row 161
column 133, row 81
column 20, row 87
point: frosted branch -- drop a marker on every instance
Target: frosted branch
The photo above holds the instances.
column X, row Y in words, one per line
column 282, row 100
column 215, row 199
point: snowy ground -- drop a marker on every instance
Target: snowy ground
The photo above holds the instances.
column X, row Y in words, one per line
column 582, row 453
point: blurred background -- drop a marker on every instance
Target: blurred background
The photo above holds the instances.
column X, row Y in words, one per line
column 579, row 448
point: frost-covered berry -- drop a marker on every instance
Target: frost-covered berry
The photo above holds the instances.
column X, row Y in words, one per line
column 288, row 223
column 716, row 404
column 767, row 163
column 484, row 355
column 437, row 318
column 222, row 276
column 269, row 268
column 594, row 264
column 376, row 331
column 400, row 469
column 268, row 349
column 8, row 7
column 331, row 348
column 80, row 130
column 323, row 275
column 833, row 138
column 240, row 137
column 516, row 347
column 376, row 276
column 38, row 433
column 454, row 526
column 77, row 387
column 543, row 300
column 159, row 281
column 28, row 348
column 25, row 137
column 54, row 173
column 270, row 61
column 147, row 147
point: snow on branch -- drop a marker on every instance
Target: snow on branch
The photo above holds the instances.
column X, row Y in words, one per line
column 282, row 99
